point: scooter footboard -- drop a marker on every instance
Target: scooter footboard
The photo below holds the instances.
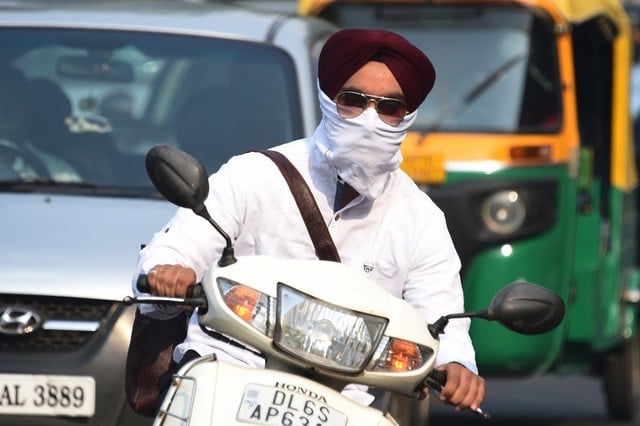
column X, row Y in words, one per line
column 210, row 392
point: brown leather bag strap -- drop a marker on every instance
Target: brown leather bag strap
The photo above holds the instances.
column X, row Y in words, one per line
column 318, row 231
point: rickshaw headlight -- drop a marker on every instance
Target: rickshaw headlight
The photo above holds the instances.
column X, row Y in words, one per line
column 503, row 212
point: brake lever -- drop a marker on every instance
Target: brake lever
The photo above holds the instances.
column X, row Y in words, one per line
column 160, row 300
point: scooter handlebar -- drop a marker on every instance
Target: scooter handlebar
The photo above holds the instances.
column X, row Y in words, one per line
column 142, row 284
column 437, row 379
column 193, row 291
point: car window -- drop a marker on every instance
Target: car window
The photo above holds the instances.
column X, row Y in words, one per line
column 84, row 106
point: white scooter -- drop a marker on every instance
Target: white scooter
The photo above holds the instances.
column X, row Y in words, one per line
column 315, row 339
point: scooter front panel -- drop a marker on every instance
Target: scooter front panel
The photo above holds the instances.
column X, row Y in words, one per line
column 207, row 392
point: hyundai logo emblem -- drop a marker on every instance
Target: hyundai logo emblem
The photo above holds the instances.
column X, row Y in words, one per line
column 15, row 320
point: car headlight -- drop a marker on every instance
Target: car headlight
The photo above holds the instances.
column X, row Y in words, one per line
column 503, row 212
column 255, row 308
column 325, row 334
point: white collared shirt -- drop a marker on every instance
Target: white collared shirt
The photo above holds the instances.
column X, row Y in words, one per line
column 400, row 240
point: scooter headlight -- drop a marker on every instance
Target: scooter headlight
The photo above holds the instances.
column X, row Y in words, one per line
column 254, row 307
column 325, row 334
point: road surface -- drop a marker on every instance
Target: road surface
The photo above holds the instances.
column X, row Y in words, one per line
column 542, row 401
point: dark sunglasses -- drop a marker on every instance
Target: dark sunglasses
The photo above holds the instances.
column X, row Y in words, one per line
column 352, row 104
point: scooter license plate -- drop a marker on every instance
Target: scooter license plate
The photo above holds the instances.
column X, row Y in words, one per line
column 268, row 405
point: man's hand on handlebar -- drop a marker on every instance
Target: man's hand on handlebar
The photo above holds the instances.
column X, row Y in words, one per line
column 463, row 389
column 171, row 281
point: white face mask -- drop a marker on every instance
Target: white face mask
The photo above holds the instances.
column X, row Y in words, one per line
column 364, row 150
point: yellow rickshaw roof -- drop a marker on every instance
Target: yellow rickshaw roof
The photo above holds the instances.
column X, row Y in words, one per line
column 573, row 10
column 583, row 10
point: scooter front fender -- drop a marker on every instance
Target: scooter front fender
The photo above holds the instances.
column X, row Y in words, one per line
column 210, row 392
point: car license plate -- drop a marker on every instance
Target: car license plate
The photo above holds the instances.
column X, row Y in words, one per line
column 44, row 395
column 267, row 405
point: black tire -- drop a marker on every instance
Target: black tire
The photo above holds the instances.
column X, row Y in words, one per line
column 621, row 380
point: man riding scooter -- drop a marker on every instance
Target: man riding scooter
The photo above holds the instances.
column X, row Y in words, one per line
column 371, row 83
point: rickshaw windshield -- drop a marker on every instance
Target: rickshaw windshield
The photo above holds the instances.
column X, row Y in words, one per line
column 496, row 66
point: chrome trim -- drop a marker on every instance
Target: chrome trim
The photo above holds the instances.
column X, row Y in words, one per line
column 71, row 325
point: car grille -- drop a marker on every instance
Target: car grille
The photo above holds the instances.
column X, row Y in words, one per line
column 65, row 323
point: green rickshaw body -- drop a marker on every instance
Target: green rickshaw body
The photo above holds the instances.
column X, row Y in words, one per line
column 526, row 144
column 543, row 256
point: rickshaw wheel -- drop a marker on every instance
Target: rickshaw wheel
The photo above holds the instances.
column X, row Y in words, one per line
column 622, row 380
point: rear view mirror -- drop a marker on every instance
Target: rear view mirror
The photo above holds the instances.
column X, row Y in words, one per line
column 183, row 180
column 526, row 308
column 522, row 307
column 179, row 177
column 94, row 68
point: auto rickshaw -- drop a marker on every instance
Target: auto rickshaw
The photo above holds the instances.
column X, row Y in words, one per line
column 526, row 144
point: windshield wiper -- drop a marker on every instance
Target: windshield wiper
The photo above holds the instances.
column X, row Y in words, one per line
column 475, row 91
column 36, row 183
column 81, row 188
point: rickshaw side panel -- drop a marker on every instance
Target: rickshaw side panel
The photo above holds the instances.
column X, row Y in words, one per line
column 545, row 257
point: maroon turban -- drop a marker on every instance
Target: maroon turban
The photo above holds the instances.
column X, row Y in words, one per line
column 346, row 51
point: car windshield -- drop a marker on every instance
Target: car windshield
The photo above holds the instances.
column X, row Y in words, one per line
column 80, row 108
column 496, row 67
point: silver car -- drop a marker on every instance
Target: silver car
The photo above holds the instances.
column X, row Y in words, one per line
column 86, row 88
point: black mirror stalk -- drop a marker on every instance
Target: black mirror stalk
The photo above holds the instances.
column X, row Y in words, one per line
column 437, row 328
column 228, row 257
